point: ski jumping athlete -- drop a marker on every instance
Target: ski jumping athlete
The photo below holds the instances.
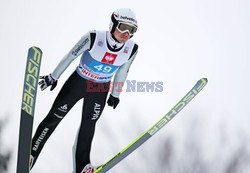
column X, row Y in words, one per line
column 104, row 54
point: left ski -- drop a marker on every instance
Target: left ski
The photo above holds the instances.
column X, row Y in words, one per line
column 28, row 108
column 154, row 129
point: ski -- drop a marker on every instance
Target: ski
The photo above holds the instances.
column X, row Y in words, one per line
column 154, row 129
column 28, row 108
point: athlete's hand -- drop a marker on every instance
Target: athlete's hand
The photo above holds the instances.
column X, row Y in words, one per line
column 113, row 101
column 46, row 81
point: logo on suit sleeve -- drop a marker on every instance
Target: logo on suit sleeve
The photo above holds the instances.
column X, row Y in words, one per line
column 79, row 47
column 109, row 58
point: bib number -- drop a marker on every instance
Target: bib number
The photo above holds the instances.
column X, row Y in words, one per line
column 103, row 68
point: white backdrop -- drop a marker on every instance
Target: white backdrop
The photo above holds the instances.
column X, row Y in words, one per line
column 179, row 41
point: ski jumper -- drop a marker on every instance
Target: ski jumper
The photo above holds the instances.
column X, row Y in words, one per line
column 99, row 62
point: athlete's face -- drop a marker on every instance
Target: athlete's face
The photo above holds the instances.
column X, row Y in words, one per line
column 121, row 37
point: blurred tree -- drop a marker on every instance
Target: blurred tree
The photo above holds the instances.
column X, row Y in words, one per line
column 190, row 156
column 4, row 155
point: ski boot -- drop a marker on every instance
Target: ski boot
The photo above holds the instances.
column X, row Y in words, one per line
column 88, row 169
column 32, row 161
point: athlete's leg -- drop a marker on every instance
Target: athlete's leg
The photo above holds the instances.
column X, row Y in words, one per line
column 65, row 100
column 94, row 104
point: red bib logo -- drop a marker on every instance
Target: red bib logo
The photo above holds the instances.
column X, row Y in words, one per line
column 109, row 58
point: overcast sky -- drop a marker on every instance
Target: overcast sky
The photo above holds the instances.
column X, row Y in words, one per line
column 179, row 42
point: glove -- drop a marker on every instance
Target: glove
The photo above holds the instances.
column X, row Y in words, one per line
column 113, row 101
column 46, row 81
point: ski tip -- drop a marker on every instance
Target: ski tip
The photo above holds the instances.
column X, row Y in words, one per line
column 204, row 79
column 202, row 82
column 35, row 48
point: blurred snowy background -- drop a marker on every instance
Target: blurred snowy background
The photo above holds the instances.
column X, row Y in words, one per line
column 180, row 42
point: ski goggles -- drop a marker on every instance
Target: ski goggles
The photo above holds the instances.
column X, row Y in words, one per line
column 124, row 27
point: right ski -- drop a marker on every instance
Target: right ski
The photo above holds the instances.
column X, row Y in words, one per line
column 154, row 129
column 28, row 108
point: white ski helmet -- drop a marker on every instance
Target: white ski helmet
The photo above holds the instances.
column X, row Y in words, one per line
column 123, row 15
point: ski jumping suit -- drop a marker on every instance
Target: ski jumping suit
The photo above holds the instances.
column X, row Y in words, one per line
column 100, row 60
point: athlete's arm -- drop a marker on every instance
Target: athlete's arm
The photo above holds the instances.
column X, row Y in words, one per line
column 122, row 73
column 82, row 45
